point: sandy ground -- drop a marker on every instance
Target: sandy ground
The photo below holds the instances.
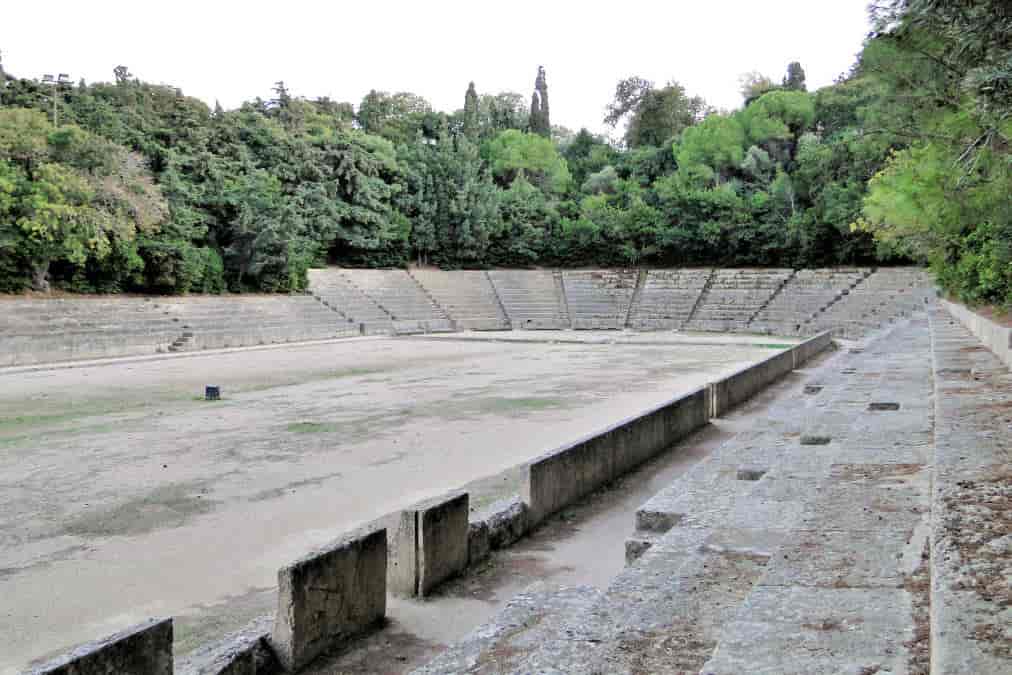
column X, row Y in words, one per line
column 123, row 495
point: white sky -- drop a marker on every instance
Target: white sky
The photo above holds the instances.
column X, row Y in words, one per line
column 233, row 51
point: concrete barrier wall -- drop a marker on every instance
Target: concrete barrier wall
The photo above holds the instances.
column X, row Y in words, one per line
column 995, row 337
column 145, row 649
column 428, row 545
column 747, row 382
column 563, row 476
column 330, row 596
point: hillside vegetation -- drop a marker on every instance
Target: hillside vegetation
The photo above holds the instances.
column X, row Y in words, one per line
column 906, row 158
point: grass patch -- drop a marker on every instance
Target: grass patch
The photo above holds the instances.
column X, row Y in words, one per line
column 495, row 404
column 312, row 427
column 773, row 345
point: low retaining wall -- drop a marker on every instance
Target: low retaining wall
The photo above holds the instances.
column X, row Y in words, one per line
column 330, row 596
column 145, row 649
column 995, row 337
column 747, row 382
column 563, row 476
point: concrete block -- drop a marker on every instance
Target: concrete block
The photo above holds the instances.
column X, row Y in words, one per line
column 442, row 542
column 560, row 478
column 429, row 545
column 244, row 652
column 478, row 547
column 145, row 649
column 507, row 522
column 329, row 596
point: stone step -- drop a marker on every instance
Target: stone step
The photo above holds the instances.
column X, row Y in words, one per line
column 528, row 620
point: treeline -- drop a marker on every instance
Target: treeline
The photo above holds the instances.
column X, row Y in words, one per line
column 905, row 158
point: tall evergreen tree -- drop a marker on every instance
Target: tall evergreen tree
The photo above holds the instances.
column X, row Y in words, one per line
column 471, row 112
column 540, row 122
column 795, row 79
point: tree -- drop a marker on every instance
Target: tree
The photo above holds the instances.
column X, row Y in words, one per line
column 471, row 126
column 540, row 119
column 795, row 78
column 513, row 154
column 655, row 116
column 396, row 117
column 754, row 84
column 711, row 148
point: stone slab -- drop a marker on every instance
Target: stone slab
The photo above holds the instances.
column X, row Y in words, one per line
column 145, row 649
column 816, row 631
column 330, row 596
column 244, row 652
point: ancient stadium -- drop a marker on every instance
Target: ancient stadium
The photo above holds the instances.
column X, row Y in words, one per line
column 541, row 471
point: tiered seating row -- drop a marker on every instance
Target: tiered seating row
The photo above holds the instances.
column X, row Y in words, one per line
column 599, row 299
column 467, row 297
column 850, row 302
column 667, row 298
column 62, row 329
column 733, row 296
column 395, row 292
column 803, row 297
column 533, row 299
column 886, row 295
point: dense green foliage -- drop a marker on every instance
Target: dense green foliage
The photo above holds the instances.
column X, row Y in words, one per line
column 907, row 157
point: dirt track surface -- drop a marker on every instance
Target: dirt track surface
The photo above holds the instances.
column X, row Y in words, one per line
column 124, row 495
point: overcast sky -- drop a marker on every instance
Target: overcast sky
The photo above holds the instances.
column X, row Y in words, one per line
column 233, row 51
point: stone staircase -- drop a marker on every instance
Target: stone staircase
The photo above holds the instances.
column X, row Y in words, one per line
column 805, row 295
column 666, row 298
column 531, row 298
column 397, row 293
column 733, row 297
column 599, row 299
column 334, row 289
column 467, row 297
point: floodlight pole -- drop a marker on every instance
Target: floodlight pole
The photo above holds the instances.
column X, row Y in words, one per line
column 55, row 83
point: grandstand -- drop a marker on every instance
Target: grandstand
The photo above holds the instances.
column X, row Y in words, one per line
column 344, row 302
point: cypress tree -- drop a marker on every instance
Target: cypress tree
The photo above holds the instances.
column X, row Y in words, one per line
column 471, row 112
column 540, row 122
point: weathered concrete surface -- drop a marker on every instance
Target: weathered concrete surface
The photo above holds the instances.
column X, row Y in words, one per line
column 145, row 649
column 330, row 596
column 430, row 545
column 971, row 557
column 527, row 620
column 995, row 337
column 244, row 652
column 565, row 475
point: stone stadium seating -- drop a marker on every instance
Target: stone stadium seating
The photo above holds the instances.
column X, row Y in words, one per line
column 733, row 296
column 806, row 295
column 667, row 298
column 599, row 299
column 336, row 291
column 533, row 299
column 397, row 293
column 885, row 295
column 63, row 329
column 468, row 297
column 216, row 322
column 850, row 302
